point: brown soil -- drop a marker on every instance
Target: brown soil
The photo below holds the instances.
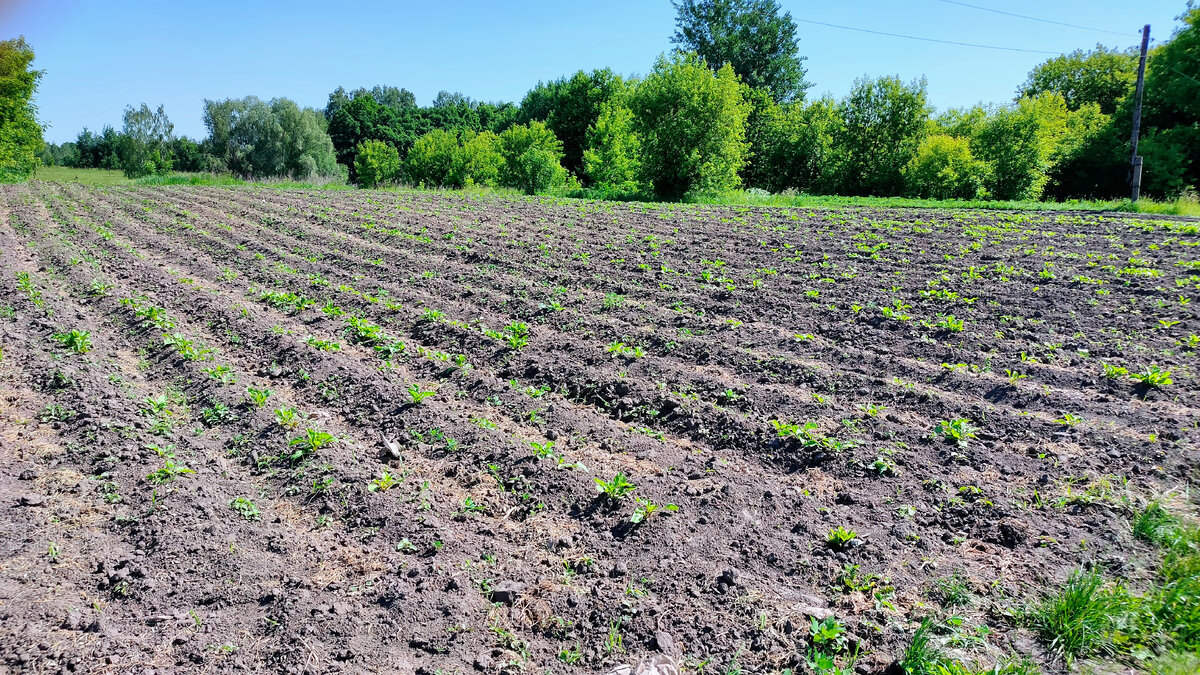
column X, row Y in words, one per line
column 484, row 556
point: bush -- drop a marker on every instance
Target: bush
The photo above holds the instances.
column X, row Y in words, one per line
column 443, row 158
column 613, row 159
column 532, row 158
column 431, row 161
column 692, row 124
column 480, row 161
column 376, row 162
column 945, row 169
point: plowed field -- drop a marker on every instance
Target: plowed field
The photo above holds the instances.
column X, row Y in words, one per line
column 329, row 431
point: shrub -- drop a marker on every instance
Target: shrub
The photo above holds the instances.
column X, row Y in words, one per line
column 480, row 160
column 944, row 168
column 613, row 159
column 532, row 158
column 692, row 124
column 376, row 162
column 432, row 159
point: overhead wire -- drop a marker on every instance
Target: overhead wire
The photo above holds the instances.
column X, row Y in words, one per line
column 1034, row 18
column 926, row 39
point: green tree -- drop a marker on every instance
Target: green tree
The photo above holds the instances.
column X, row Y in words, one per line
column 1019, row 143
column 1171, row 119
column 376, row 163
column 532, row 158
column 432, row 160
column 145, row 144
column 260, row 139
column 692, row 125
column 20, row 132
column 1102, row 76
column 883, row 123
column 751, row 36
column 613, row 160
column 796, row 147
column 569, row 107
column 944, row 168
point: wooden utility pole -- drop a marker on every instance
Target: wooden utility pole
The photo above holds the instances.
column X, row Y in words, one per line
column 1135, row 167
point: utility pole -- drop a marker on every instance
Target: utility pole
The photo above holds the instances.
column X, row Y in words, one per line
column 1135, row 167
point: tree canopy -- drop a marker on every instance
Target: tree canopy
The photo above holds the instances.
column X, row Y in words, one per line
column 1102, row 76
column 751, row 36
column 20, row 132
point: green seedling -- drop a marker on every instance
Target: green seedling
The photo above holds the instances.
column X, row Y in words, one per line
column 382, row 484
column 1153, row 376
column 169, row 472
column 258, row 396
column 958, row 431
column 312, row 441
column 839, row 538
column 245, row 508
column 416, row 394
column 646, row 508
column 617, row 488
column 78, row 341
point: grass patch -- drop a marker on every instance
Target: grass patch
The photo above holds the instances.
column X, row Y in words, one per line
column 66, row 174
column 1091, row 616
column 227, row 180
column 1179, row 207
column 924, row 656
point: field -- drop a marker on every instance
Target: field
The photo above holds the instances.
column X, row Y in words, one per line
column 247, row 428
column 67, row 174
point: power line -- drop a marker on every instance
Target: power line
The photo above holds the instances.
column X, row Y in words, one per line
column 1032, row 18
column 925, row 39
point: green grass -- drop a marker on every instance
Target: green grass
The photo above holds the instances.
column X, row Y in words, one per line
column 66, row 174
column 1179, row 207
column 1091, row 616
column 226, row 179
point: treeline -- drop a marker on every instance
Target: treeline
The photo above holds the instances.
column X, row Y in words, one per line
column 727, row 109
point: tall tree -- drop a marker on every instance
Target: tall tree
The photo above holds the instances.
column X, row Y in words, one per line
column 260, row 139
column 883, row 122
column 1102, row 76
column 751, row 36
column 145, row 145
column 1172, row 114
column 692, row 126
column 569, row 106
column 20, row 132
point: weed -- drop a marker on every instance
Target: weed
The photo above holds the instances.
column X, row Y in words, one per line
column 1077, row 621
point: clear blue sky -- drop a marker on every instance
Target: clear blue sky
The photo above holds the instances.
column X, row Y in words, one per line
column 100, row 56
